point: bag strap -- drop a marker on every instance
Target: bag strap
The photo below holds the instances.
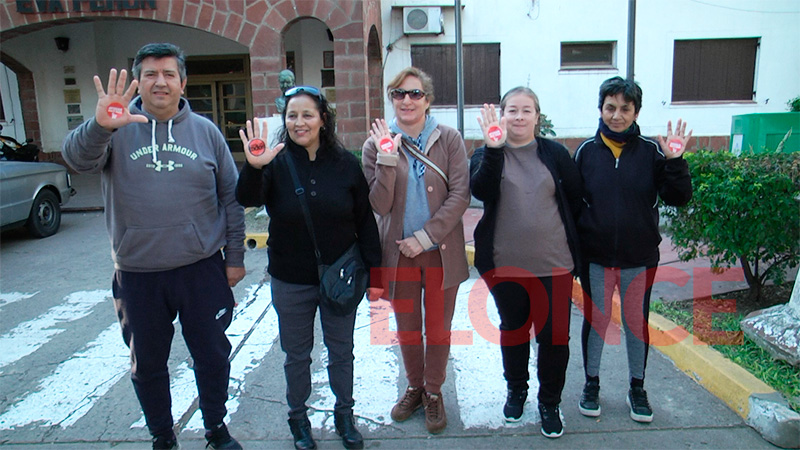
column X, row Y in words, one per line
column 416, row 153
column 300, row 192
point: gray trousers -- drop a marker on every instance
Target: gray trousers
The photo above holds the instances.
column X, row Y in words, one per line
column 296, row 305
column 634, row 285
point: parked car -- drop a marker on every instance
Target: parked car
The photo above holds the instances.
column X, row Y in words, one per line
column 31, row 195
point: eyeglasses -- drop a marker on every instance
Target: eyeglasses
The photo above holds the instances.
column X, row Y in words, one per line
column 413, row 94
column 311, row 90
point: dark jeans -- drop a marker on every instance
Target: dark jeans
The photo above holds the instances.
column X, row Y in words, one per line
column 147, row 304
column 544, row 304
column 296, row 305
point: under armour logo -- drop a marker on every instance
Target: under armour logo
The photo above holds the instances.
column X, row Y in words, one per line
column 159, row 166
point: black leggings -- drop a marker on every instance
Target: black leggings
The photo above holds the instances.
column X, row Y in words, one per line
column 544, row 304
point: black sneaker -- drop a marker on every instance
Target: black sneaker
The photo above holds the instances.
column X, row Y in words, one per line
column 552, row 426
column 166, row 441
column 219, row 438
column 589, row 405
column 640, row 407
column 514, row 404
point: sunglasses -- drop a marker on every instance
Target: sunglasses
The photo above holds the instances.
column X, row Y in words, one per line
column 399, row 94
column 311, row 90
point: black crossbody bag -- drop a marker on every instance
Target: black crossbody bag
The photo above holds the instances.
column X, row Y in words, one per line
column 342, row 284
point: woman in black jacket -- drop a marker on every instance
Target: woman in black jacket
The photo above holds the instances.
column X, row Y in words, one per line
column 338, row 200
column 624, row 175
column 526, row 247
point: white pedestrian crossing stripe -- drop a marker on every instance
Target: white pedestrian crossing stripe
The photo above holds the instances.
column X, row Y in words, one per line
column 479, row 367
column 69, row 392
column 29, row 336
column 75, row 386
column 13, row 297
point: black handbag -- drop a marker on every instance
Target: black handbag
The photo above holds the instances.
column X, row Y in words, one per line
column 342, row 285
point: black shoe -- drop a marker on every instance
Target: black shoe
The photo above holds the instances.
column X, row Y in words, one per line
column 301, row 432
column 640, row 407
column 551, row 421
column 346, row 428
column 166, row 441
column 515, row 402
column 219, row 438
column 590, row 399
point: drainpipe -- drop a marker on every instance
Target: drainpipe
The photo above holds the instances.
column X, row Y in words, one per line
column 459, row 71
column 631, row 36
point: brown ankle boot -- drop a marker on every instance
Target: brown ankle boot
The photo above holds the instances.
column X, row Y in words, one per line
column 435, row 417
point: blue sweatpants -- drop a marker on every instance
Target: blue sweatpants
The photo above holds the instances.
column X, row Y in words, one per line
column 147, row 303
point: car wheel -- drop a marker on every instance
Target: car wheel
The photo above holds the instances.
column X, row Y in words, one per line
column 45, row 217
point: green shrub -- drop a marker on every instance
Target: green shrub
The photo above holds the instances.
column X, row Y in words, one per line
column 744, row 210
column 545, row 126
column 794, row 104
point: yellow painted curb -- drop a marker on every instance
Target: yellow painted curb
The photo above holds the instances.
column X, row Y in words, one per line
column 725, row 379
column 256, row 240
column 470, row 254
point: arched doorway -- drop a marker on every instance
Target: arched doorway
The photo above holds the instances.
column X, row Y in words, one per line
column 309, row 50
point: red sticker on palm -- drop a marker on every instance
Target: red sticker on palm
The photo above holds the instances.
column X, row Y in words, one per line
column 495, row 133
column 257, row 147
column 675, row 145
column 386, row 144
column 115, row 110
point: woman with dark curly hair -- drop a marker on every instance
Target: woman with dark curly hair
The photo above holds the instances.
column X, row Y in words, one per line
column 338, row 201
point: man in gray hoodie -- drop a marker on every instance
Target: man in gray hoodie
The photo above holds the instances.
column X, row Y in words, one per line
column 176, row 231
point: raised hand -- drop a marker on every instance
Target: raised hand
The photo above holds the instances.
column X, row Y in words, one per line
column 256, row 150
column 382, row 137
column 494, row 131
column 675, row 143
column 112, row 106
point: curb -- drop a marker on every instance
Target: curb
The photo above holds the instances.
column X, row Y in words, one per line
column 725, row 379
column 762, row 408
column 256, row 240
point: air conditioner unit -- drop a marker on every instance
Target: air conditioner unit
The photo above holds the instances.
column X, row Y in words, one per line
column 423, row 20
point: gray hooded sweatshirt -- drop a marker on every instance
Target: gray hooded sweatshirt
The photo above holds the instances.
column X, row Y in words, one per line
column 168, row 187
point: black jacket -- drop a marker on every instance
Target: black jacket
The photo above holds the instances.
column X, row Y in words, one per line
column 486, row 170
column 618, row 225
column 338, row 199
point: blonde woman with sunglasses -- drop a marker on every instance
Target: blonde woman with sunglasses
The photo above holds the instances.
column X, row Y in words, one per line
column 419, row 189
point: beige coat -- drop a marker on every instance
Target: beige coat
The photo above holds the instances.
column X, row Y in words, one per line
column 387, row 175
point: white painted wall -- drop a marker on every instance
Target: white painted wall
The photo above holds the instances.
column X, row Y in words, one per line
column 531, row 32
column 95, row 48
